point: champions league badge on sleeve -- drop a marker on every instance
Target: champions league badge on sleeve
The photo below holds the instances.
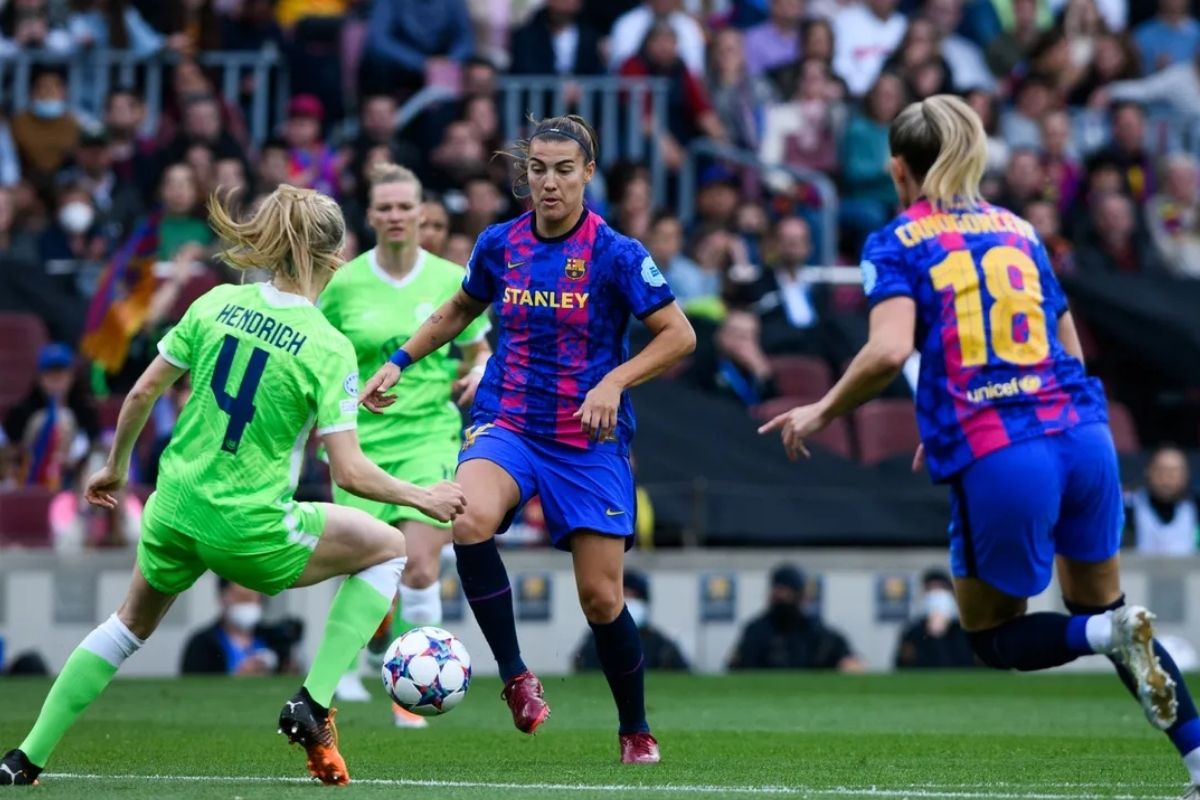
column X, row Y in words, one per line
column 651, row 274
column 718, row 597
column 533, row 597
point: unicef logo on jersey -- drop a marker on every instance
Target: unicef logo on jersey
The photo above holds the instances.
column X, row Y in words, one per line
column 351, row 384
column 869, row 276
column 423, row 311
column 651, row 274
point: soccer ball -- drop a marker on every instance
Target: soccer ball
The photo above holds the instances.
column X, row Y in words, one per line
column 427, row 671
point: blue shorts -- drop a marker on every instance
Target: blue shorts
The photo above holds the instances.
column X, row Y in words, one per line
column 1014, row 509
column 581, row 490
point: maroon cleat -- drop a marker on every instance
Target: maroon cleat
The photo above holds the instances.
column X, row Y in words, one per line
column 639, row 748
column 523, row 693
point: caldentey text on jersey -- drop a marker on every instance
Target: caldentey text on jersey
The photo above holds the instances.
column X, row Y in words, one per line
column 268, row 329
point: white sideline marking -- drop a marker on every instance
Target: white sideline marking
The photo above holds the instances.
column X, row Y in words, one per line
column 929, row 791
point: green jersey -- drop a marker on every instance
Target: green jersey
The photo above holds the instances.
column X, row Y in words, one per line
column 378, row 313
column 266, row 366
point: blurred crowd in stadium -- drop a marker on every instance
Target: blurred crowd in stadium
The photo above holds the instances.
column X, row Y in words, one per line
column 1093, row 108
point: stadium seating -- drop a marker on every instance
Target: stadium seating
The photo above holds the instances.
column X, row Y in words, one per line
column 1124, row 432
column 886, row 429
column 21, row 336
column 835, row 438
column 24, row 517
column 807, row 377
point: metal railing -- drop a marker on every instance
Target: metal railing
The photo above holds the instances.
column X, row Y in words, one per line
column 92, row 74
column 821, row 183
column 614, row 104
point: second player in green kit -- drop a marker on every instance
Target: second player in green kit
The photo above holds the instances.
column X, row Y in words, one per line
column 378, row 301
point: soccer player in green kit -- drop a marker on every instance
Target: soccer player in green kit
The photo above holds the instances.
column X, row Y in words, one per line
column 266, row 367
column 378, row 301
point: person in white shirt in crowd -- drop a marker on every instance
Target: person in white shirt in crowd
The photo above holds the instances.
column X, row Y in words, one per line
column 1162, row 518
column 968, row 66
column 1177, row 87
column 629, row 31
column 1173, row 216
column 864, row 35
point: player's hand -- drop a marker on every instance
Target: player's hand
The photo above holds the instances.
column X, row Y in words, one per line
column 795, row 426
column 598, row 414
column 918, row 463
column 444, row 501
column 374, row 395
column 466, row 386
column 103, row 486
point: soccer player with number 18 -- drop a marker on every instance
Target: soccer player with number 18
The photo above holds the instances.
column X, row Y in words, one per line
column 1008, row 418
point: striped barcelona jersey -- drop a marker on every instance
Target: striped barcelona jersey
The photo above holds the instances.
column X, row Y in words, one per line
column 563, row 307
column 993, row 371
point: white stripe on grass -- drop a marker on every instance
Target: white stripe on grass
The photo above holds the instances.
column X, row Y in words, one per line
column 927, row 791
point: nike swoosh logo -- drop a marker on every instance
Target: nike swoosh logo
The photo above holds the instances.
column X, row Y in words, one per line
column 515, row 264
column 609, row 512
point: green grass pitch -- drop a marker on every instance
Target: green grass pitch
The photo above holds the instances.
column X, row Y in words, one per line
column 956, row 735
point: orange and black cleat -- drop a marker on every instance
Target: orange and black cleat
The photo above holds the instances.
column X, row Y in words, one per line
column 523, row 693
column 307, row 724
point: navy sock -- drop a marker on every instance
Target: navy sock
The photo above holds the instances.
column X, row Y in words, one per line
column 485, row 583
column 1185, row 733
column 1032, row 642
column 619, row 646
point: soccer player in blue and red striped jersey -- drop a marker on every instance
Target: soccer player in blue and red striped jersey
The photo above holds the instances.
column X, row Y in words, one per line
column 1008, row 417
column 551, row 416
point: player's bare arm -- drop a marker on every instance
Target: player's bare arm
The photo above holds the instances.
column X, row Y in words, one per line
column 673, row 340
column 1068, row 337
column 889, row 344
column 358, row 475
column 134, row 413
column 443, row 326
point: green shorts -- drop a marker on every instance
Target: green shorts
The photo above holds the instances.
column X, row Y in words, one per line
column 172, row 560
column 426, row 462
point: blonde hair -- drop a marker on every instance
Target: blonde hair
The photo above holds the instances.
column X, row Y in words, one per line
column 387, row 172
column 944, row 146
column 296, row 233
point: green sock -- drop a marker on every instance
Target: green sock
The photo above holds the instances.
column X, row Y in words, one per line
column 355, row 614
column 81, row 681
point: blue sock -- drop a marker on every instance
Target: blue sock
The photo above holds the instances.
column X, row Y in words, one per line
column 485, row 583
column 1185, row 733
column 1032, row 642
column 619, row 646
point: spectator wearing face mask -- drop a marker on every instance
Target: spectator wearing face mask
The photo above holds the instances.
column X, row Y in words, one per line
column 786, row 637
column 660, row 652
column 46, row 133
column 234, row 644
column 935, row 640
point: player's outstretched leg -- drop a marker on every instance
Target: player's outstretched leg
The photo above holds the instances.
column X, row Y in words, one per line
column 1130, row 625
column 86, row 674
column 598, row 569
column 372, row 554
column 491, row 494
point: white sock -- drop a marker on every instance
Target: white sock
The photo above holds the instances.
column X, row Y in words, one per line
column 1192, row 762
column 384, row 577
column 112, row 641
column 421, row 606
column 1099, row 632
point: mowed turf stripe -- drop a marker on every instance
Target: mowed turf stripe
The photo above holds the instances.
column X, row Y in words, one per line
column 962, row 792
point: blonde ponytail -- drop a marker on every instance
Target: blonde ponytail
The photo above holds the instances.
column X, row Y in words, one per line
column 944, row 146
column 296, row 233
